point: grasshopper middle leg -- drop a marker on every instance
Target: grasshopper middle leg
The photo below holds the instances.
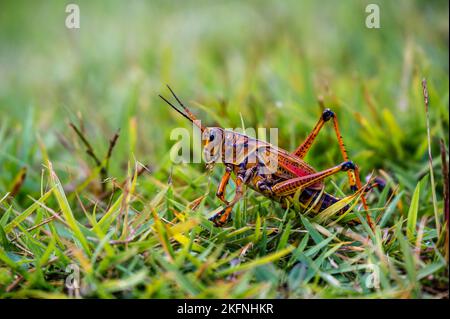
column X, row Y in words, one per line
column 223, row 184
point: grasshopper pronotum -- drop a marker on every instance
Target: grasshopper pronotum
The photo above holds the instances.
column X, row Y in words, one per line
column 291, row 178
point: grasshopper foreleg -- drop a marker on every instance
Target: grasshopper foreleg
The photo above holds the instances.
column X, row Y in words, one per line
column 222, row 217
column 242, row 177
column 223, row 184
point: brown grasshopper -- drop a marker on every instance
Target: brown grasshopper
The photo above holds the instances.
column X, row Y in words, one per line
column 278, row 174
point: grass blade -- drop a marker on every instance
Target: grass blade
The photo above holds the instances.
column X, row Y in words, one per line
column 412, row 213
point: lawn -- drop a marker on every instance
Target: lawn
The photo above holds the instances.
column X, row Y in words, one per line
column 92, row 206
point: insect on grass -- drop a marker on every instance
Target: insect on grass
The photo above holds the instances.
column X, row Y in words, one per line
column 274, row 172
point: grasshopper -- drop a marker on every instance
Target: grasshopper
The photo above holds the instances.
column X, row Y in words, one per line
column 271, row 171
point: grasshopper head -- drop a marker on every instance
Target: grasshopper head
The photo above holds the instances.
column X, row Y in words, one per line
column 212, row 138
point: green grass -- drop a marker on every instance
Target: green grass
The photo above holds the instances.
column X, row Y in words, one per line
column 144, row 233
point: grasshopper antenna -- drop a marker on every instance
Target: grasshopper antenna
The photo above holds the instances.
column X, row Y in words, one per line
column 174, row 107
column 179, row 102
column 188, row 113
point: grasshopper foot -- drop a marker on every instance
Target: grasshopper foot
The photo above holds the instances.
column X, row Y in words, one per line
column 222, row 217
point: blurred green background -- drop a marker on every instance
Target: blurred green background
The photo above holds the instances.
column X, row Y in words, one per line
column 232, row 57
column 270, row 61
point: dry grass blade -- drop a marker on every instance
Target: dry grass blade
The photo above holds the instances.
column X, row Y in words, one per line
column 430, row 158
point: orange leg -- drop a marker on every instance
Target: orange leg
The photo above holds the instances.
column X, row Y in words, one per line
column 353, row 174
column 242, row 177
column 223, row 184
column 223, row 216
column 303, row 149
column 292, row 185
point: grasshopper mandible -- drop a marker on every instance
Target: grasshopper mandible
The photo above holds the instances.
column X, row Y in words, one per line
column 284, row 179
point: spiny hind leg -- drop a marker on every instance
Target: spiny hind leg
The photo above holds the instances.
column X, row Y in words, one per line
column 292, row 185
column 303, row 149
column 309, row 200
column 353, row 174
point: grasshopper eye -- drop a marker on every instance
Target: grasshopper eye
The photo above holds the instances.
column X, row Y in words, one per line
column 211, row 137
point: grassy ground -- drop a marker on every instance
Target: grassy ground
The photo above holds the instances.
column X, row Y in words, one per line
column 130, row 232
